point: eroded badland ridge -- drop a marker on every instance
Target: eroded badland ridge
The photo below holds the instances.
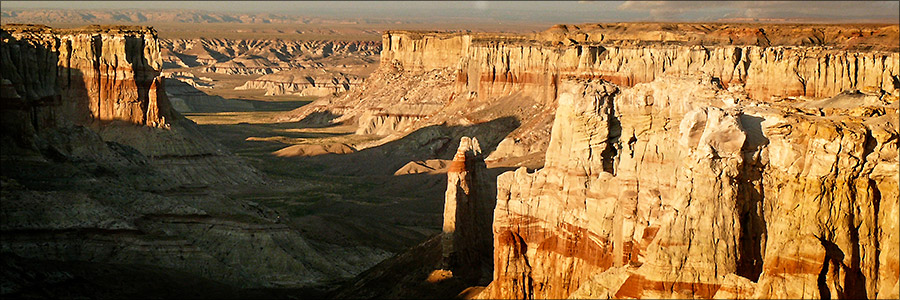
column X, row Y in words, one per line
column 654, row 160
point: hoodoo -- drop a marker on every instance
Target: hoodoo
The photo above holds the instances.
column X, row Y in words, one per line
column 466, row 239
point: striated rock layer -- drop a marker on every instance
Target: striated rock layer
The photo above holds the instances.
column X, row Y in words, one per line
column 99, row 170
column 113, row 76
column 107, row 79
column 679, row 188
column 276, row 67
column 684, row 160
column 469, row 200
column 303, row 83
column 258, row 57
column 428, row 78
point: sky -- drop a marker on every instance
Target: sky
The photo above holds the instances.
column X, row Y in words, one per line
column 552, row 11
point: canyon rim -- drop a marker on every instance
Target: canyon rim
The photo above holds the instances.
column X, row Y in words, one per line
column 196, row 154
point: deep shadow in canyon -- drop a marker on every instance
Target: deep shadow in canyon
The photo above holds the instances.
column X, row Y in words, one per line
column 354, row 198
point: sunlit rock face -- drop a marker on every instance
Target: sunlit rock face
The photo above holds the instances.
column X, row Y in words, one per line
column 106, row 78
column 105, row 74
column 428, row 78
column 678, row 188
column 466, row 239
column 684, row 160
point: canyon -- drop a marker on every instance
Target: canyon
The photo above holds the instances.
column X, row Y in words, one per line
column 620, row 160
column 99, row 168
column 229, row 67
column 685, row 161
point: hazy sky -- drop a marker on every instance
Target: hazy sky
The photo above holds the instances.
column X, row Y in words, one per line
column 555, row 11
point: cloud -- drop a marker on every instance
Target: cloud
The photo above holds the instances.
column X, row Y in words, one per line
column 698, row 10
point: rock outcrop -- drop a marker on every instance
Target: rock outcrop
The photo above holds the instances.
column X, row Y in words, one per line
column 106, row 77
column 275, row 67
column 468, row 203
column 684, row 160
column 428, row 78
column 260, row 57
column 680, row 188
column 99, row 170
column 317, row 82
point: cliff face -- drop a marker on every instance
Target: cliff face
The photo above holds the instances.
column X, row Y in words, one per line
column 97, row 169
column 468, row 203
column 684, row 160
column 113, row 76
column 428, row 78
column 679, row 188
column 316, row 82
column 490, row 64
column 107, row 79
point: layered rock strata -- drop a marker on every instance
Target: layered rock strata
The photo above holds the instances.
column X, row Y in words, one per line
column 681, row 188
column 684, row 160
column 108, row 79
column 468, row 203
column 428, row 78
column 97, row 169
column 260, row 57
column 698, row 160
column 273, row 67
column 316, row 82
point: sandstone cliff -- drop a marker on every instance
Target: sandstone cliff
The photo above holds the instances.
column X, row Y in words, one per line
column 108, row 79
column 469, row 201
column 429, row 78
column 105, row 78
column 301, row 82
column 99, row 170
column 685, row 161
column 680, row 188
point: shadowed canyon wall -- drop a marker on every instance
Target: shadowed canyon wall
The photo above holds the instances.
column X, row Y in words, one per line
column 98, row 170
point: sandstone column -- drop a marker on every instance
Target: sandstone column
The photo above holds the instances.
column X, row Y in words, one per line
column 468, row 211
